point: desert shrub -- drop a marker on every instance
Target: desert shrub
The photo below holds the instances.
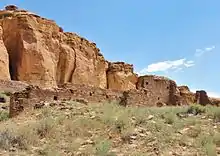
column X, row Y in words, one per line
column 80, row 127
column 194, row 131
column 210, row 149
column 44, row 127
column 48, row 150
column 4, row 115
column 103, row 148
column 140, row 115
column 216, row 139
column 169, row 118
column 9, row 138
column 115, row 117
column 196, row 109
column 216, row 115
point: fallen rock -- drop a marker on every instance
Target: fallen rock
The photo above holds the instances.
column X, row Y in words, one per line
column 88, row 142
column 82, row 100
column 150, row 117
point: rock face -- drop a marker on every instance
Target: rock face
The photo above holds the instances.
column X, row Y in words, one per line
column 120, row 76
column 202, row 97
column 187, row 96
column 4, row 61
column 43, row 55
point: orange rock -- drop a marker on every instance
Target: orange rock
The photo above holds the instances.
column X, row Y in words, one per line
column 45, row 56
column 4, row 60
column 120, row 76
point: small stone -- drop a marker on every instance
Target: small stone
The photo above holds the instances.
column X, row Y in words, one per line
column 133, row 146
column 12, row 149
column 183, row 130
column 133, row 137
column 88, row 142
column 47, row 103
column 82, row 100
column 153, row 122
column 133, row 118
column 150, row 117
column 142, row 135
column 92, row 117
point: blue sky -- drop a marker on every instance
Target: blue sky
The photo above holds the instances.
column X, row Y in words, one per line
column 178, row 39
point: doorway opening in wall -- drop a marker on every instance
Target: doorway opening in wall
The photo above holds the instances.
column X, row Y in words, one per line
column 55, row 98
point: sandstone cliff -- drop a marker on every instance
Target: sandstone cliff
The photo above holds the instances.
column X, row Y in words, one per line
column 4, row 62
column 43, row 55
column 37, row 51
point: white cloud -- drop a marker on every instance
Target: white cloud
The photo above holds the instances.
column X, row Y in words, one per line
column 209, row 93
column 200, row 52
column 167, row 65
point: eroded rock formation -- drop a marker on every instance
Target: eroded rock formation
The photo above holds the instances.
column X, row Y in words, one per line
column 202, row 97
column 43, row 55
column 38, row 52
column 120, row 76
column 187, row 96
column 4, row 62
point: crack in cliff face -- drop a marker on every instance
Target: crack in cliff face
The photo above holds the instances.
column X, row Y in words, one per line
column 74, row 68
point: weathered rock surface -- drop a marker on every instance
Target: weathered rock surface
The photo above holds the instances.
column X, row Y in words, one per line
column 43, row 55
column 202, row 97
column 36, row 51
column 4, row 61
column 187, row 96
column 120, row 76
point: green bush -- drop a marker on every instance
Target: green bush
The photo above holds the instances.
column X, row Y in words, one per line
column 170, row 118
column 196, row 109
column 44, row 127
column 103, row 148
column 4, row 116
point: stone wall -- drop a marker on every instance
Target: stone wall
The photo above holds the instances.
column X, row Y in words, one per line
column 160, row 89
column 28, row 98
column 32, row 95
